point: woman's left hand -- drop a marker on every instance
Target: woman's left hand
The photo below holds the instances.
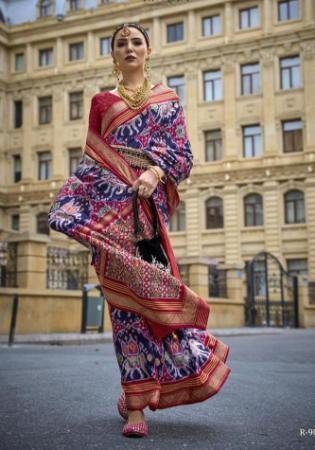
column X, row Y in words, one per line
column 145, row 184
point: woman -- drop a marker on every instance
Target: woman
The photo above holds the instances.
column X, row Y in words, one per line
column 137, row 144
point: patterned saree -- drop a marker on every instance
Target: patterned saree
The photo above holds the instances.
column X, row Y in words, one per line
column 165, row 355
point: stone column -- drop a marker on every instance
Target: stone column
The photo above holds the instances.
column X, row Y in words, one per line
column 231, row 147
column 191, row 39
column 157, row 34
column 234, row 282
column 29, row 163
column 193, row 221
column 268, row 16
column 32, row 261
column 59, row 55
column 90, row 49
column 310, row 217
column 272, row 221
column 229, row 25
column 270, row 141
column 59, row 163
column 308, row 70
column 231, row 227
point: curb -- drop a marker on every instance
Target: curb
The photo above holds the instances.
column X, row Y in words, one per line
column 101, row 338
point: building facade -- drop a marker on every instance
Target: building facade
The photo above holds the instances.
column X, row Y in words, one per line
column 244, row 71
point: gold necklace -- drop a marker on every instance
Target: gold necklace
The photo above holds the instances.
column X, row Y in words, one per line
column 138, row 98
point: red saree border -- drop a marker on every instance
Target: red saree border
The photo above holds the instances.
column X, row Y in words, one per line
column 119, row 112
column 196, row 388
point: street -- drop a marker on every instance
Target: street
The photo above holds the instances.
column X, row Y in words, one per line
column 64, row 398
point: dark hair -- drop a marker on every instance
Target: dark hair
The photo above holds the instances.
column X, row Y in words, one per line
column 134, row 25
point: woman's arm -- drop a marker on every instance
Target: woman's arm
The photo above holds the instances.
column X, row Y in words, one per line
column 169, row 146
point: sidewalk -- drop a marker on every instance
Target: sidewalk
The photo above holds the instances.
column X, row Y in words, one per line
column 98, row 338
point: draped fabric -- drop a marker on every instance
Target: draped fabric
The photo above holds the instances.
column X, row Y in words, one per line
column 147, row 302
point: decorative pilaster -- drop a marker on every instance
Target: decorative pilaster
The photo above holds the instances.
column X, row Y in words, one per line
column 272, row 221
column 231, row 228
column 310, row 218
column 193, row 221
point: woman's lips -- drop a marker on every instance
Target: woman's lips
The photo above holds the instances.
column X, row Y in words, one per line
column 130, row 58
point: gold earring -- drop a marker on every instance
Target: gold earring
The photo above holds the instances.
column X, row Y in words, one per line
column 116, row 71
column 147, row 68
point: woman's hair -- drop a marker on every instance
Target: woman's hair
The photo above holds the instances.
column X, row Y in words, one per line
column 134, row 25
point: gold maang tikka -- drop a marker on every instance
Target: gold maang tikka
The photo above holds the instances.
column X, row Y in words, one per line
column 125, row 31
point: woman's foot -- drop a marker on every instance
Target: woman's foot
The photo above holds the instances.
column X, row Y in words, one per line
column 136, row 425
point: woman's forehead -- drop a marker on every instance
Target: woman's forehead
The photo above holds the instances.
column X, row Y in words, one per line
column 133, row 32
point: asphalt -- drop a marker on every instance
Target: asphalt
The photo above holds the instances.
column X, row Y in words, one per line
column 64, row 397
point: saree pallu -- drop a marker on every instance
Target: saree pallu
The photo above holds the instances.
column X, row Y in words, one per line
column 165, row 355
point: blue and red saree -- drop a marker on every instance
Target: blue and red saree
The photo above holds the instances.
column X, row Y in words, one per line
column 159, row 368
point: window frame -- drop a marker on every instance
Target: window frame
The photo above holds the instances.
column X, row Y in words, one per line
column 250, row 75
column 295, row 206
column 253, row 207
column 218, row 223
column 44, row 164
column 285, row 134
column 290, row 69
column 252, row 139
column 215, row 150
column 172, row 24
column 212, row 83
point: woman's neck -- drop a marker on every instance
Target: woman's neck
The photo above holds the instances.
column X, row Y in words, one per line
column 132, row 81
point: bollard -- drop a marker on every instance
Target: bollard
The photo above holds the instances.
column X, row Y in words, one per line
column 13, row 318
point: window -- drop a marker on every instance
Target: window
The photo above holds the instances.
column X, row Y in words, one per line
column 212, row 85
column 178, row 84
column 288, row 10
column 297, row 267
column 175, row 32
column 178, row 220
column 18, row 113
column 213, row 145
column 214, row 212
column 249, row 18
column 252, row 145
column 15, row 222
column 76, row 105
column 19, row 62
column 211, row 25
column 45, row 57
column 290, row 72
column 250, row 79
column 292, row 136
column 294, row 207
column 45, row 8
column 75, row 155
column 44, row 165
column 17, row 168
column 44, row 109
column 105, row 48
column 42, row 226
column 75, row 5
column 253, row 209
column 76, row 51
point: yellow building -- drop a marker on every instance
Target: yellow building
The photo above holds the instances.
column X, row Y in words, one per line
column 245, row 73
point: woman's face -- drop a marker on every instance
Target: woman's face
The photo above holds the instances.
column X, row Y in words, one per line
column 132, row 45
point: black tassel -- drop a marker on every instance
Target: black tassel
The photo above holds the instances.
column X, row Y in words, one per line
column 149, row 248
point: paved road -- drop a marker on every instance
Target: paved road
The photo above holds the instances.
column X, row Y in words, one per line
column 63, row 398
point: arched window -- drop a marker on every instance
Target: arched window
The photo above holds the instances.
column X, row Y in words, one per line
column 214, row 212
column 42, row 226
column 178, row 221
column 45, row 8
column 294, row 207
column 253, row 210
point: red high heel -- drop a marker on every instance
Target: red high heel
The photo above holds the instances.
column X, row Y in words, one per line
column 121, row 405
column 136, row 429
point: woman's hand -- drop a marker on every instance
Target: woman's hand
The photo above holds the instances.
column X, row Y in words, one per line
column 146, row 183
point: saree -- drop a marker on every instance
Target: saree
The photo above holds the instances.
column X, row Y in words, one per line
column 166, row 356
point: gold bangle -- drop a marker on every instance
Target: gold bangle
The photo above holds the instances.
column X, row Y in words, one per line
column 157, row 173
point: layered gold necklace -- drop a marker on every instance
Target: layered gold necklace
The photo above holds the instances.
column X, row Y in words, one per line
column 138, row 96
